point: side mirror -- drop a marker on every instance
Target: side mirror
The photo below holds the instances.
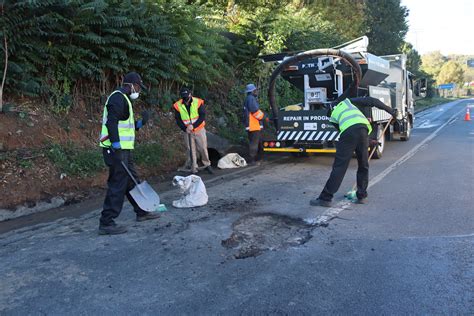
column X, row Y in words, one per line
column 420, row 88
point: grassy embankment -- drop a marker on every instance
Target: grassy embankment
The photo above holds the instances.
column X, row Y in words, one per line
column 429, row 102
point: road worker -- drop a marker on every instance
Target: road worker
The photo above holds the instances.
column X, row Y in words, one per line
column 190, row 115
column 253, row 120
column 118, row 140
column 354, row 129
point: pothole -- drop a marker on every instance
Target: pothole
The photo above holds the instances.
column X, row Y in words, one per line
column 254, row 234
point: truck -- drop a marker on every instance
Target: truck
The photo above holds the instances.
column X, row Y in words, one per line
column 328, row 76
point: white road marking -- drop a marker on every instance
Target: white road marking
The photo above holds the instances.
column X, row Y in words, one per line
column 426, row 124
column 444, row 236
column 344, row 204
column 430, row 118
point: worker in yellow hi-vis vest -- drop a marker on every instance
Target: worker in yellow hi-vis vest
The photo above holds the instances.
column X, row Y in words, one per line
column 190, row 115
column 354, row 129
column 118, row 140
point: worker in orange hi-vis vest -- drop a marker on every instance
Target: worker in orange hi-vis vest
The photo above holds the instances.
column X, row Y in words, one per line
column 253, row 119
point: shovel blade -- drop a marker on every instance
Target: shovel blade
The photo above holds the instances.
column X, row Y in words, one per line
column 146, row 197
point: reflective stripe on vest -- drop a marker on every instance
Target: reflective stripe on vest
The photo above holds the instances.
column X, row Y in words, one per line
column 190, row 118
column 345, row 114
column 126, row 129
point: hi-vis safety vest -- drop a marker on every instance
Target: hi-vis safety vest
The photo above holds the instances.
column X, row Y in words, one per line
column 126, row 129
column 255, row 121
column 190, row 118
column 345, row 114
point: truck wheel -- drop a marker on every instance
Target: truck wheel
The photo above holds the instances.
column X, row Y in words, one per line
column 406, row 136
column 381, row 138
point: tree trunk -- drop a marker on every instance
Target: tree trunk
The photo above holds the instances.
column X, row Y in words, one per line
column 4, row 71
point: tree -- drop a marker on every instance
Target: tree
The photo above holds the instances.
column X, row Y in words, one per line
column 431, row 63
column 462, row 60
column 5, row 67
column 347, row 15
column 451, row 72
column 385, row 25
column 413, row 58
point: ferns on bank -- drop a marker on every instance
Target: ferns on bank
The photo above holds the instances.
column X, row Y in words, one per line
column 54, row 45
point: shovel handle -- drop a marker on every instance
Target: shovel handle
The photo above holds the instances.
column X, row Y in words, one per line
column 375, row 147
column 103, row 139
column 190, row 150
column 133, row 178
column 129, row 173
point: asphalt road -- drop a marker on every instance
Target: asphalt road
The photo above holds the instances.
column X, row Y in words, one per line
column 258, row 248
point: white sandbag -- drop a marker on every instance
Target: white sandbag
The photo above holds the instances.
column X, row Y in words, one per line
column 193, row 191
column 231, row 160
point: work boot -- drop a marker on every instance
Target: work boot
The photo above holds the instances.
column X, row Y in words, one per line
column 319, row 202
column 361, row 201
column 147, row 216
column 209, row 170
column 112, row 229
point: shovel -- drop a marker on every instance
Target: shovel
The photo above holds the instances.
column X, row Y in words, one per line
column 143, row 194
column 190, row 152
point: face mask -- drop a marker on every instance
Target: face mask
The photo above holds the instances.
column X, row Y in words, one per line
column 134, row 95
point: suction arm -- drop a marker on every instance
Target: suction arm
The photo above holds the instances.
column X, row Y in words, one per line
column 308, row 55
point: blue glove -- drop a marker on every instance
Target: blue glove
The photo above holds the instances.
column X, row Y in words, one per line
column 142, row 122
column 117, row 152
column 394, row 113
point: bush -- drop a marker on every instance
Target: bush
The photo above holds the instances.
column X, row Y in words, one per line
column 75, row 162
column 149, row 155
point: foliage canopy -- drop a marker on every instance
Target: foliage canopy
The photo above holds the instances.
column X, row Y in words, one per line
column 65, row 50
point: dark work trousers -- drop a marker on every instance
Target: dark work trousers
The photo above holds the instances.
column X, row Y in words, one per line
column 255, row 146
column 355, row 138
column 119, row 184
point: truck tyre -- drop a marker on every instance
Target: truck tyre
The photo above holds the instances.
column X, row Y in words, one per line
column 406, row 135
column 381, row 138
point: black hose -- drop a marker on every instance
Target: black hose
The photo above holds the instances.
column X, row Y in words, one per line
column 308, row 55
